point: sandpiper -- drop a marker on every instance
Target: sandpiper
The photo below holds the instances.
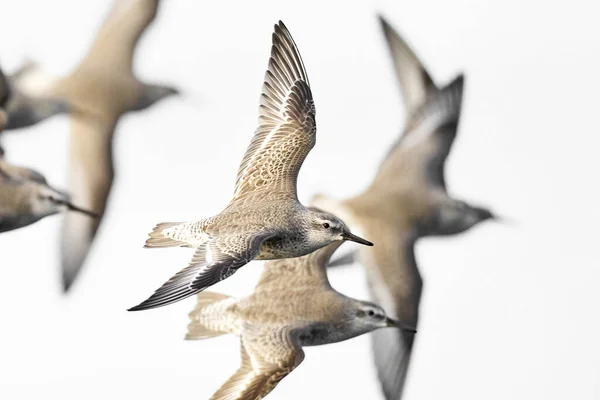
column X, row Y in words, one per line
column 293, row 305
column 264, row 220
column 407, row 200
column 99, row 91
column 26, row 197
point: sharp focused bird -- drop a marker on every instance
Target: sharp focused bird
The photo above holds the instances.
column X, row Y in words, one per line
column 293, row 305
column 264, row 220
column 407, row 200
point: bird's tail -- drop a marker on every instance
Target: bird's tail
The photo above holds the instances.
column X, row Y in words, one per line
column 159, row 239
column 206, row 319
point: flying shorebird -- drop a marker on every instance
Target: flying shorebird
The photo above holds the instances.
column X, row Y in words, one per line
column 264, row 220
column 293, row 305
column 101, row 89
column 407, row 200
column 26, row 197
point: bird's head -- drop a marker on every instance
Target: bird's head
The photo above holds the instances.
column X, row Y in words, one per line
column 324, row 228
column 367, row 317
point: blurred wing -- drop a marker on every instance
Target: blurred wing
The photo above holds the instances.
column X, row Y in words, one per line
column 415, row 82
column 287, row 128
column 118, row 36
column 394, row 284
column 419, row 156
column 392, row 349
column 212, row 262
column 268, row 356
column 309, row 270
column 90, row 181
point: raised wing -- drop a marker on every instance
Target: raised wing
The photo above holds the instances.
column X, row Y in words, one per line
column 287, row 127
column 419, row 156
column 268, row 356
column 415, row 82
column 309, row 270
column 213, row 262
column 118, row 36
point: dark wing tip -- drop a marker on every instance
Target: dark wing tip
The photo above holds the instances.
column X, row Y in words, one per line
column 160, row 300
column 457, row 82
column 387, row 28
column 67, row 281
column 384, row 24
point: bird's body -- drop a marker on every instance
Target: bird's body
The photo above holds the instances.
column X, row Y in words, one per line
column 293, row 305
column 264, row 220
column 407, row 200
column 101, row 89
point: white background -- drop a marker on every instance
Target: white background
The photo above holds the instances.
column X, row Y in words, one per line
column 509, row 311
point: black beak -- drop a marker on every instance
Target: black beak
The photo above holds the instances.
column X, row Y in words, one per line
column 349, row 236
column 72, row 207
column 91, row 214
column 397, row 324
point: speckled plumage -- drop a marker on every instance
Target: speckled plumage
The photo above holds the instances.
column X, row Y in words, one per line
column 406, row 200
column 264, row 220
column 293, row 305
column 97, row 92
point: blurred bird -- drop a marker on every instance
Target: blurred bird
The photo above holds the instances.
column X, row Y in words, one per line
column 293, row 305
column 264, row 220
column 99, row 91
column 406, row 200
column 26, row 197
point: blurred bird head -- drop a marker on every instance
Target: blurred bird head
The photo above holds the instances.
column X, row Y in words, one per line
column 48, row 201
column 367, row 317
column 324, row 228
column 457, row 216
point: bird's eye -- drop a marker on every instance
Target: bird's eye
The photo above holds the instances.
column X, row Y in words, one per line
column 370, row 313
column 326, row 225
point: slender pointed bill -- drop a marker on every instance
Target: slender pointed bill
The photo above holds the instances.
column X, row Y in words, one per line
column 74, row 208
column 349, row 236
column 394, row 323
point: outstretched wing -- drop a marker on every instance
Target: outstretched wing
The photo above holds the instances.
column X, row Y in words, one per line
column 415, row 82
column 268, row 356
column 419, row 156
column 90, row 182
column 309, row 270
column 287, row 128
column 394, row 284
column 118, row 36
column 212, row 262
